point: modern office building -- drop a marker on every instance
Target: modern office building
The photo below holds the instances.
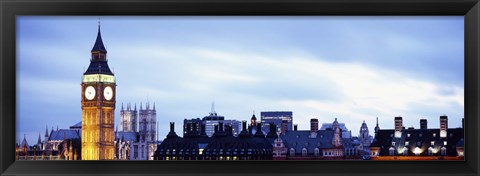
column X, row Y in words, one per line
column 282, row 119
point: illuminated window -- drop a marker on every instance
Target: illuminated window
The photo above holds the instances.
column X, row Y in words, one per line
column 444, row 142
column 292, row 152
column 408, row 135
column 434, row 134
column 443, row 151
column 432, row 143
column 406, row 143
column 391, row 151
column 393, row 143
column 430, row 151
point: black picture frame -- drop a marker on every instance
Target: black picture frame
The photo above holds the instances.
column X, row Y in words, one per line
column 9, row 9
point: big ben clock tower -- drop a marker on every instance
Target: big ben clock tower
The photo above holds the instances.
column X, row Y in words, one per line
column 98, row 106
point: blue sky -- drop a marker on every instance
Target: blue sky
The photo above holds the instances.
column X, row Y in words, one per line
column 350, row 68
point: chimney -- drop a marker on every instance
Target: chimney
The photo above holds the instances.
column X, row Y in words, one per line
column 313, row 125
column 443, row 122
column 398, row 123
column 423, row 124
column 295, row 128
column 229, row 130
column 220, row 126
column 463, row 122
column 172, row 126
column 244, row 125
column 443, row 126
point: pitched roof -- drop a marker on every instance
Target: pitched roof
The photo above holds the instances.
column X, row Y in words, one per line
column 127, row 136
column 62, row 134
column 77, row 125
column 98, row 67
column 421, row 138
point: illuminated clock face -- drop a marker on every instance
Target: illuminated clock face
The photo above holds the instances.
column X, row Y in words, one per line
column 108, row 93
column 89, row 93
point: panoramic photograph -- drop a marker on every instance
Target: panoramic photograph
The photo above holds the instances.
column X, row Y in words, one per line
column 240, row 88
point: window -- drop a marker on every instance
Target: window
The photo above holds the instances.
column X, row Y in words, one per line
column 408, row 135
column 405, row 151
column 292, row 152
column 420, row 135
column 430, row 151
column 391, row 151
column 406, row 143
column 432, row 143
column 444, row 142
column 317, row 152
column 393, row 143
column 434, row 134
column 443, row 151
column 304, row 152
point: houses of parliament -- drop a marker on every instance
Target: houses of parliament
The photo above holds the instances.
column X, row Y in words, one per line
column 214, row 138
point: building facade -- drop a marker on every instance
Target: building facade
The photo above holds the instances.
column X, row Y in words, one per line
column 419, row 144
column 282, row 119
column 222, row 145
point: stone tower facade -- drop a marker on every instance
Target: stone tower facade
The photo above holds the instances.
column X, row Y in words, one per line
column 147, row 127
column 128, row 118
column 98, row 91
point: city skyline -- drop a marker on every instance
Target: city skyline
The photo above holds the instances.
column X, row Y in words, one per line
column 184, row 63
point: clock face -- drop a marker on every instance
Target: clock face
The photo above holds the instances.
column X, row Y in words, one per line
column 108, row 93
column 90, row 93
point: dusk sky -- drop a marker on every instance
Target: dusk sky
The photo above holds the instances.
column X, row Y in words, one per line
column 350, row 68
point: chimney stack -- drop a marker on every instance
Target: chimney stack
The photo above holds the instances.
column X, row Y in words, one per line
column 443, row 126
column 220, row 126
column 313, row 125
column 398, row 123
column 244, row 125
column 295, row 128
column 172, row 126
column 423, row 124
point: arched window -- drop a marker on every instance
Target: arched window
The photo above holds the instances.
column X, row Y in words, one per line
column 304, row 152
column 405, row 151
column 391, row 151
column 292, row 152
column 430, row 151
column 316, row 152
column 443, row 151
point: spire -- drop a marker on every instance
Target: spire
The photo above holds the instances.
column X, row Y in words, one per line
column 140, row 106
column 39, row 139
column 212, row 111
column 46, row 131
column 135, row 106
column 154, row 106
column 122, row 106
column 99, row 47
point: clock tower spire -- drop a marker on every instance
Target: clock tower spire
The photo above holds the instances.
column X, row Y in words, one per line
column 98, row 105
